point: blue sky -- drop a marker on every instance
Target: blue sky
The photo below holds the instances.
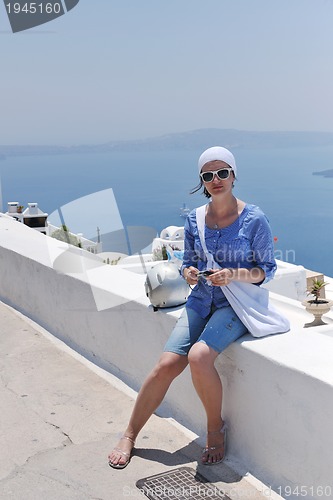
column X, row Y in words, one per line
column 127, row 69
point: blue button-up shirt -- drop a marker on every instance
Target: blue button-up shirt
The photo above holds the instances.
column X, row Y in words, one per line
column 246, row 243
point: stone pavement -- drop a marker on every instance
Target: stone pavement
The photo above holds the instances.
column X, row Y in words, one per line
column 60, row 415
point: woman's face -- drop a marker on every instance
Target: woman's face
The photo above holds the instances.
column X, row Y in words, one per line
column 217, row 185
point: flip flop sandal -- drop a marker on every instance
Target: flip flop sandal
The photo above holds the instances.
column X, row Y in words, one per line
column 126, row 455
column 214, row 450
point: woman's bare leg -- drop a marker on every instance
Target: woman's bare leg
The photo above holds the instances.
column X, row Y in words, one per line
column 208, row 385
column 151, row 394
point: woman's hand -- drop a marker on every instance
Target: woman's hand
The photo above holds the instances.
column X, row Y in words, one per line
column 221, row 277
column 224, row 276
column 190, row 275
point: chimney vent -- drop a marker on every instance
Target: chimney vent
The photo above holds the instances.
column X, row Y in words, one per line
column 33, row 208
column 12, row 207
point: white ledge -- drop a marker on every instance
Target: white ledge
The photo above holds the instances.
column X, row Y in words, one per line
column 278, row 391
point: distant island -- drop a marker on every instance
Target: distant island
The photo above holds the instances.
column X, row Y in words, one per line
column 191, row 140
column 325, row 173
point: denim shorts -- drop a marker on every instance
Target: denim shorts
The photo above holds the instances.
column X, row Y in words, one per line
column 218, row 330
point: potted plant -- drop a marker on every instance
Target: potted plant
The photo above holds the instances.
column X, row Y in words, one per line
column 160, row 253
column 317, row 306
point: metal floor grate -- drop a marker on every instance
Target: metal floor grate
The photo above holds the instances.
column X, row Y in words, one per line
column 179, row 484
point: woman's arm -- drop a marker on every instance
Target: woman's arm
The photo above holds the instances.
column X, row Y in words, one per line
column 189, row 267
column 263, row 246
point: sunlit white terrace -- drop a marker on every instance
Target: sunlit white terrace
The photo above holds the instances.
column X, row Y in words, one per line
column 278, row 390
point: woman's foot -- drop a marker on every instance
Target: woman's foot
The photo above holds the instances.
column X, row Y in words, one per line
column 214, row 452
column 120, row 456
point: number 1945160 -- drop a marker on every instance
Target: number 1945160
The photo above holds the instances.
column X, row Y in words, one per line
column 305, row 491
column 33, row 8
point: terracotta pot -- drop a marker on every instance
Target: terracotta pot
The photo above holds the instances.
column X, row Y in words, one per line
column 317, row 309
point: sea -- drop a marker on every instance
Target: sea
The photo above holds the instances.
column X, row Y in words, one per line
column 148, row 188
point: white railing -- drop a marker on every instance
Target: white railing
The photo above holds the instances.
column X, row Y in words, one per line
column 89, row 245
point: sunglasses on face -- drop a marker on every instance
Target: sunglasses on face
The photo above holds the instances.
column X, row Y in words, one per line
column 222, row 174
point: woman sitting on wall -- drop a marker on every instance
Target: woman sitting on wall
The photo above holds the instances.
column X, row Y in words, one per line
column 238, row 237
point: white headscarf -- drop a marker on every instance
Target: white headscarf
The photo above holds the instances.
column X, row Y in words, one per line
column 217, row 153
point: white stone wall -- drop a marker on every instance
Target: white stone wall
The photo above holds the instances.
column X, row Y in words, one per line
column 278, row 391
